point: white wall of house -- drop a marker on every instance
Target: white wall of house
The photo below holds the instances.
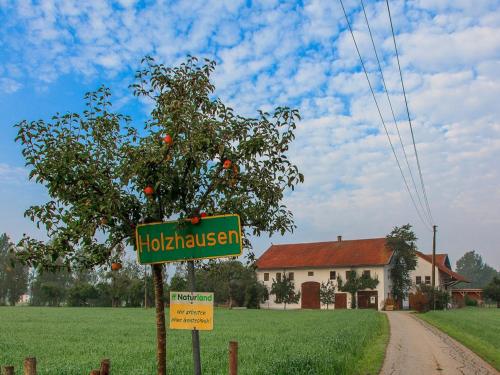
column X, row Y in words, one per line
column 387, row 285
column 25, row 298
column 320, row 275
column 424, row 269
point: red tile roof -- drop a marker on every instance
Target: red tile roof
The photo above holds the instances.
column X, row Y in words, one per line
column 369, row 252
column 440, row 264
column 440, row 258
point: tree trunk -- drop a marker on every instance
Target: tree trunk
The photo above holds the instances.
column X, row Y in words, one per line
column 161, row 340
column 145, row 289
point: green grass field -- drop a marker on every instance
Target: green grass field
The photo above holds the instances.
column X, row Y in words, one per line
column 476, row 328
column 73, row 340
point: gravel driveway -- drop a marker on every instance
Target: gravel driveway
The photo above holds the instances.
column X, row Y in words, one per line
column 416, row 347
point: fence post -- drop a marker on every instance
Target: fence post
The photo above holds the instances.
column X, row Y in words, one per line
column 30, row 366
column 233, row 358
column 8, row 370
column 105, row 365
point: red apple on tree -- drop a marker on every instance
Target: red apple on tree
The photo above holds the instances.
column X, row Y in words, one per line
column 148, row 190
column 227, row 164
column 195, row 220
column 168, row 140
column 203, row 214
column 116, row 266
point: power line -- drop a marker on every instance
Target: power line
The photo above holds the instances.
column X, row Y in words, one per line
column 380, row 114
column 408, row 112
column 393, row 115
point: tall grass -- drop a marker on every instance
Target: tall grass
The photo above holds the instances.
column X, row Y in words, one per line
column 73, row 340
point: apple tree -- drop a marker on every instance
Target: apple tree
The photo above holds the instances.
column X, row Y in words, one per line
column 284, row 291
column 13, row 276
column 492, row 290
column 105, row 175
column 327, row 293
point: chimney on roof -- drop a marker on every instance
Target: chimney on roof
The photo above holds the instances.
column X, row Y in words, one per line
column 339, row 238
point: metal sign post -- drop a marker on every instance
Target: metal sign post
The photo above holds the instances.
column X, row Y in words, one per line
column 211, row 237
column 195, row 334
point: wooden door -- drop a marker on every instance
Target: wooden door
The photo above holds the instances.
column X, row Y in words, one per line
column 341, row 300
column 368, row 299
column 310, row 295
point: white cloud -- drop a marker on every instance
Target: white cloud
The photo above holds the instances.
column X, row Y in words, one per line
column 9, row 85
column 286, row 54
column 431, row 51
column 10, row 174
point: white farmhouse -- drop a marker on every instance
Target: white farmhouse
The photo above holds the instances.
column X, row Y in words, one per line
column 310, row 264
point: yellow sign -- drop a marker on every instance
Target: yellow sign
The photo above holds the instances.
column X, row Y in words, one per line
column 192, row 311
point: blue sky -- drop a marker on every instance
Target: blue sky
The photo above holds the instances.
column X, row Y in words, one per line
column 298, row 54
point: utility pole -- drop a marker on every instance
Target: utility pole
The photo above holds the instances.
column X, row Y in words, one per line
column 433, row 279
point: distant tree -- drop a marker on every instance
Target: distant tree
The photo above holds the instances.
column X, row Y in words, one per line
column 122, row 288
column 327, row 293
column 49, row 288
column 224, row 278
column 255, row 294
column 230, row 280
column 82, row 293
column 13, row 274
column 81, row 290
column 284, row 291
column 135, row 292
column 355, row 283
column 237, row 289
column 492, row 290
column 147, row 280
column 117, row 288
column 404, row 260
column 178, row 283
column 104, row 298
column 472, row 266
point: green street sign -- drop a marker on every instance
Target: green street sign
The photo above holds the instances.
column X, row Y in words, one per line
column 212, row 237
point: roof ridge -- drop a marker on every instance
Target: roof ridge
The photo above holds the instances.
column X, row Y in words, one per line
column 430, row 254
column 318, row 242
column 367, row 251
